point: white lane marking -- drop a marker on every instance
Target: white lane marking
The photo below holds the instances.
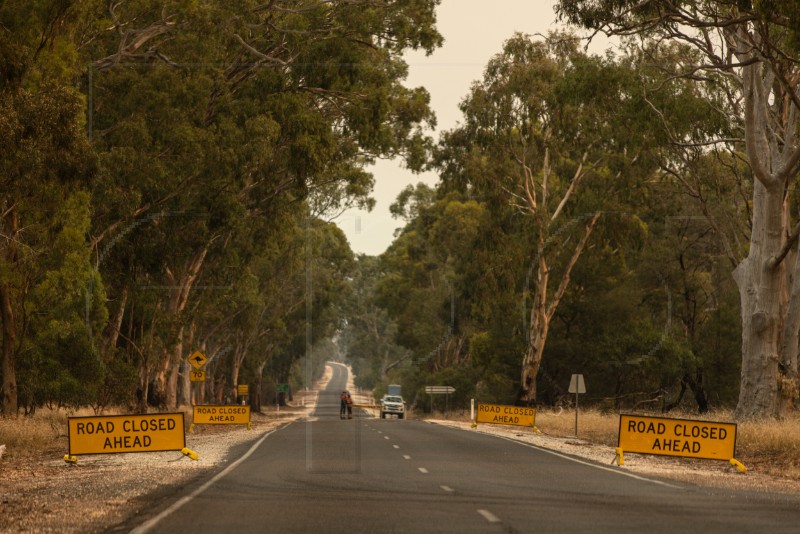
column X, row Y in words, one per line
column 601, row 467
column 385, row 437
column 489, row 516
column 149, row 524
column 422, row 470
column 447, row 488
column 379, row 432
column 396, row 446
column 407, row 457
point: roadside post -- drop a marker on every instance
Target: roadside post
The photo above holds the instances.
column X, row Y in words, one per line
column 197, row 375
column 576, row 386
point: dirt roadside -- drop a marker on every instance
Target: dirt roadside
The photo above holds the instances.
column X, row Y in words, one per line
column 101, row 491
column 105, row 493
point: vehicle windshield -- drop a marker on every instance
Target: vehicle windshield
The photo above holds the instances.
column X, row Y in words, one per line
column 393, row 398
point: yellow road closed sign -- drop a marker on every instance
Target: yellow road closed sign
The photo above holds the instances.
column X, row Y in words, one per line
column 221, row 415
column 677, row 437
column 126, row 433
column 500, row 414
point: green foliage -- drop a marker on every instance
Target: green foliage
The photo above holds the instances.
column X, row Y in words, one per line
column 215, row 131
column 636, row 318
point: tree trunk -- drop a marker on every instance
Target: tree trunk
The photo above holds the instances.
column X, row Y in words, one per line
column 175, row 360
column 113, row 327
column 255, row 399
column 10, row 402
column 762, row 277
column 760, row 289
column 9, row 319
column 542, row 312
column 179, row 297
column 537, row 336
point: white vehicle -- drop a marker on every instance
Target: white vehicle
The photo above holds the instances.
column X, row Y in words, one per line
column 393, row 404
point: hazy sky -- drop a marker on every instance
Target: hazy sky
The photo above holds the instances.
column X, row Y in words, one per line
column 474, row 31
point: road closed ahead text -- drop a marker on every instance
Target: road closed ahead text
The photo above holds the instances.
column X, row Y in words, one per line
column 677, row 437
column 505, row 415
column 221, row 415
column 126, row 433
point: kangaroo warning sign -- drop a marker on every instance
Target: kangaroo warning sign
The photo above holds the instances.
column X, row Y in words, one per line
column 677, row 437
column 505, row 415
column 126, row 433
column 221, row 415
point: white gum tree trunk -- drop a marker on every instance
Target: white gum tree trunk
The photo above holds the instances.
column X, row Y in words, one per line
column 768, row 278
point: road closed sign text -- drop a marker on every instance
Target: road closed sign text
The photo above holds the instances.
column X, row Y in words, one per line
column 677, row 437
column 505, row 415
column 126, row 433
column 221, row 415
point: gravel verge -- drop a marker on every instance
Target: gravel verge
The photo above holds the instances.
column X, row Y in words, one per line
column 707, row 473
column 103, row 491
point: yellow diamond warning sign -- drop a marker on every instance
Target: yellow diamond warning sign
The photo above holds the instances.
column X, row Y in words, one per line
column 126, row 433
column 677, row 437
column 197, row 359
column 505, row 415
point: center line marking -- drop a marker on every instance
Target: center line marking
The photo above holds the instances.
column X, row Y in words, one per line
column 447, row 488
column 422, row 470
column 396, row 446
column 385, row 437
column 407, row 457
column 489, row 516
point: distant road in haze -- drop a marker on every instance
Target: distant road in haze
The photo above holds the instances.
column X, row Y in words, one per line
column 382, row 476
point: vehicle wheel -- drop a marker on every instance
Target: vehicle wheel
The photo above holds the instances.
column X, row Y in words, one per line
column 383, row 415
column 401, row 415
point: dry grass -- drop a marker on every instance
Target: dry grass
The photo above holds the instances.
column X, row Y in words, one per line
column 772, row 447
column 45, row 433
column 28, row 437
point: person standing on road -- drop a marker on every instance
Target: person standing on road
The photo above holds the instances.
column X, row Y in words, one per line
column 349, row 401
column 343, row 404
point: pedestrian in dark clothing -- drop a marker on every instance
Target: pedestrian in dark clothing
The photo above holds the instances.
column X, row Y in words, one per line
column 343, row 404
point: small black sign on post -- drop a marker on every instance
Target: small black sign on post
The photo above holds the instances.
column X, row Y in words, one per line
column 576, row 386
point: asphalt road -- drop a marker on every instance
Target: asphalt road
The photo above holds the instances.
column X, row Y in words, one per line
column 373, row 475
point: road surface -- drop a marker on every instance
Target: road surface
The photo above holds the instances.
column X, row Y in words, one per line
column 383, row 476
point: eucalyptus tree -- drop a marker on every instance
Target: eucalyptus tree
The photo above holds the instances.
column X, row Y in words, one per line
column 46, row 166
column 549, row 131
column 746, row 61
column 216, row 112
